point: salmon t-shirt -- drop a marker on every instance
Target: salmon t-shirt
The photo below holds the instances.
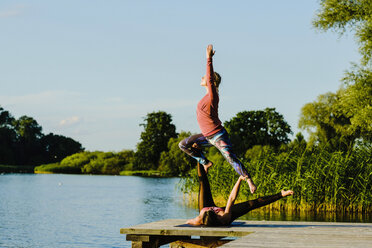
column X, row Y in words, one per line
column 207, row 109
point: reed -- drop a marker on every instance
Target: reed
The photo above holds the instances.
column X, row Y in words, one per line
column 323, row 181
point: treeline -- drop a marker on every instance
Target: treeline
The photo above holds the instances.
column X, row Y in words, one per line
column 158, row 152
column 22, row 143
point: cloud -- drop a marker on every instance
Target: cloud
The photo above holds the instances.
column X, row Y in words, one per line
column 69, row 121
column 14, row 11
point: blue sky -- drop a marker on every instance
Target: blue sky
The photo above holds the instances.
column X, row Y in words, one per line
column 92, row 70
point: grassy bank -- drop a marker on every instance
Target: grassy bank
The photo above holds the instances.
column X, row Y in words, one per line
column 16, row 169
column 68, row 169
column 144, row 173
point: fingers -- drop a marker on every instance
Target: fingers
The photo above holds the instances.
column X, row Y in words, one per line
column 210, row 51
column 244, row 178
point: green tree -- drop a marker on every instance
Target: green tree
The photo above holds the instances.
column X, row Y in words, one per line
column 356, row 102
column 175, row 161
column 158, row 129
column 29, row 133
column 57, row 147
column 262, row 127
column 8, row 138
column 339, row 15
column 338, row 119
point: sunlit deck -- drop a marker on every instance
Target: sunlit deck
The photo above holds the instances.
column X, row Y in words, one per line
column 251, row 234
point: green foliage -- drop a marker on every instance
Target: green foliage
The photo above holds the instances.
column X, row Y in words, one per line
column 57, row 147
column 338, row 119
column 108, row 163
column 8, row 138
column 29, row 133
column 322, row 180
column 356, row 102
column 174, row 161
column 261, row 127
column 23, row 143
column 158, row 129
column 144, row 173
column 356, row 15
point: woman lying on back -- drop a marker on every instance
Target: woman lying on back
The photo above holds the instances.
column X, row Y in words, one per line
column 211, row 215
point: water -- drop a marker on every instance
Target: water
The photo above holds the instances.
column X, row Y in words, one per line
column 55, row 210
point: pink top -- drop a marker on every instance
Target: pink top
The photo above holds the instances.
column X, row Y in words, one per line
column 207, row 110
column 215, row 209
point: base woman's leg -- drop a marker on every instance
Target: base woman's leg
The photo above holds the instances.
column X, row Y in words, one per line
column 240, row 209
column 186, row 145
column 205, row 194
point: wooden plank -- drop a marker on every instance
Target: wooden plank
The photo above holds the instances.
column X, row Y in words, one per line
column 264, row 233
column 176, row 227
column 316, row 235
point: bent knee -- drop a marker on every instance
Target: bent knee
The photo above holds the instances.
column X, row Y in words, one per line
column 181, row 145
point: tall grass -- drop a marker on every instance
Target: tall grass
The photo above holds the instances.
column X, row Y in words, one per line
column 322, row 180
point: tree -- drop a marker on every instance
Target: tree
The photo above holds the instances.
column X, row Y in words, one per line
column 23, row 143
column 338, row 119
column 158, row 129
column 8, row 138
column 57, row 147
column 356, row 102
column 175, row 161
column 338, row 15
column 262, row 127
column 29, row 133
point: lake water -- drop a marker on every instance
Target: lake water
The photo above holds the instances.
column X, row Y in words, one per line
column 56, row 210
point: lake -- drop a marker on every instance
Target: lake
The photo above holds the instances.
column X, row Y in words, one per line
column 57, row 210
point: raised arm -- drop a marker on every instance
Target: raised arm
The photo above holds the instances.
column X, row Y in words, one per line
column 233, row 195
column 210, row 73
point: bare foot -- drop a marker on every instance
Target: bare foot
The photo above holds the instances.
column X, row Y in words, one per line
column 251, row 185
column 287, row 193
column 206, row 166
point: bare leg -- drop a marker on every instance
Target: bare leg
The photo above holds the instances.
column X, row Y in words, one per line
column 252, row 186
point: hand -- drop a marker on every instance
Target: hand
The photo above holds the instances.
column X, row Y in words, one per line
column 210, row 51
column 243, row 178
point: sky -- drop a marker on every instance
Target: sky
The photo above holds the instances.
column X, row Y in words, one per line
column 92, row 70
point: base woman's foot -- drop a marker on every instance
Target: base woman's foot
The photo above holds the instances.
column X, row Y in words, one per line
column 206, row 166
column 251, row 185
column 287, row 193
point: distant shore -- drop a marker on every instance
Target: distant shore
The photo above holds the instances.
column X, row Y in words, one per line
column 40, row 170
column 16, row 168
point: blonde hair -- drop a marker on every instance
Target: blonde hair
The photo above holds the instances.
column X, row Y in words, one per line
column 217, row 79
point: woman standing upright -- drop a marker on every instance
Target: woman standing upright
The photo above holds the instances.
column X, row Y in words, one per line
column 212, row 131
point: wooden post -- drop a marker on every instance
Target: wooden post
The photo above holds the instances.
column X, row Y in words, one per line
column 154, row 241
column 198, row 243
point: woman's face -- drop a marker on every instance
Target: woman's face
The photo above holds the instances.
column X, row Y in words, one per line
column 203, row 82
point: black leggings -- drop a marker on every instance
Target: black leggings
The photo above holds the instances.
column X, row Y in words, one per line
column 237, row 210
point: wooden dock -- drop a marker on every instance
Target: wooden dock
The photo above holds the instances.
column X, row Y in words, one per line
column 251, row 234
